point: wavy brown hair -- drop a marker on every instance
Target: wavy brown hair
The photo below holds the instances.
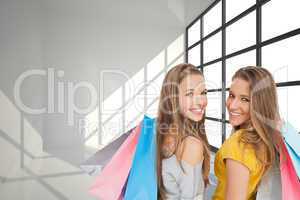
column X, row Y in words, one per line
column 170, row 117
column 262, row 132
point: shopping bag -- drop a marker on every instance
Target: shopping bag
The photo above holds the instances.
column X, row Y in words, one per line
column 292, row 140
column 270, row 185
column 111, row 181
column 289, row 179
column 142, row 184
column 283, row 183
column 99, row 160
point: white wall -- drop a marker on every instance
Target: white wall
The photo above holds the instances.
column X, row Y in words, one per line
column 80, row 38
column 83, row 38
column 193, row 8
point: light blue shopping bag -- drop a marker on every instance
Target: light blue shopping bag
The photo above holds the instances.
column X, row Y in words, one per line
column 142, row 182
column 292, row 140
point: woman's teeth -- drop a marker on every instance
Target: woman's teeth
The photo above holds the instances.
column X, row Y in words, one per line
column 198, row 111
column 235, row 114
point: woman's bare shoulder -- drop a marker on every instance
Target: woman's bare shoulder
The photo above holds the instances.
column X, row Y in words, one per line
column 192, row 150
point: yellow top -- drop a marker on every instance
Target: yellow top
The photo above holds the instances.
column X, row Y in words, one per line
column 238, row 151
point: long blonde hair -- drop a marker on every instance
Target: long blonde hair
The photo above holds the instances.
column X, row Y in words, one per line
column 262, row 133
column 169, row 114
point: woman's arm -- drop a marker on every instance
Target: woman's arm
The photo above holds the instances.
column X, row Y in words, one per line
column 237, row 180
column 191, row 184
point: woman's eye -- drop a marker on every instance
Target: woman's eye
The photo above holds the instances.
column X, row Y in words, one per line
column 189, row 94
column 204, row 93
column 245, row 99
column 231, row 95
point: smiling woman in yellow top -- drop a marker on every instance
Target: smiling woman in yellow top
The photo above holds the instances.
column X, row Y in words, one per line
column 236, row 151
column 252, row 148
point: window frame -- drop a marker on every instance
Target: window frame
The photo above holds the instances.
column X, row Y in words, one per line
column 257, row 7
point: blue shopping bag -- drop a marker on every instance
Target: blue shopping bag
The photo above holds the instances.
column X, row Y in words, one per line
column 142, row 181
column 292, row 141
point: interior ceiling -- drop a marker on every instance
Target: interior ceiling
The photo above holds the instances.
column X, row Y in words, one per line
column 155, row 12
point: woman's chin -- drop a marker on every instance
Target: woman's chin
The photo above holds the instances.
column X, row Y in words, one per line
column 196, row 118
column 235, row 123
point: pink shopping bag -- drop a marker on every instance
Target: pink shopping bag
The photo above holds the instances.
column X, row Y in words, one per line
column 289, row 178
column 111, row 180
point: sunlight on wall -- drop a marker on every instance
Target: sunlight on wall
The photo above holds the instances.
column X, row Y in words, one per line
column 124, row 109
column 90, row 129
column 32, row 141
column 10, row 138
column 10, row 121
column 30, row 171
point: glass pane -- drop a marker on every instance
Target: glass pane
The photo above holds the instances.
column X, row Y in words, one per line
column 289, row 100
column 194, row 56
column 214, row 133
column 241, row 34
column 228, row 130
column 282, row 59
column 214, row 106
column 213, row 76
column 236, row 7
column 212, row 48
column 212, row 19
column 194, row 33
column 227, row 115
column 236, row 62
column 279, row 17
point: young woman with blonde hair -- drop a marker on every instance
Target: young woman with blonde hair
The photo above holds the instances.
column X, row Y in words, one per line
column 182, row 148
column 254, row 145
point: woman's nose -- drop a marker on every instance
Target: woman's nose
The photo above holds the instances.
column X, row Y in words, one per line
column 234, row 104
column 200, row 100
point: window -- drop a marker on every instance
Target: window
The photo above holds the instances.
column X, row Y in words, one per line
column 194, row 56
column 213, row 48
column 227, row 115
column 214, row 108
column 213, row 76
column 236, row 62
column 194, row 33
column 282, row 59
column 241, row 34
column 214, row 133
column 212, row 19
column 228, row 130
column 236, row 7
column 279, row 17
column 265, row 34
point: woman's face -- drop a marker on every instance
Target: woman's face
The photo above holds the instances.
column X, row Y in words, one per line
column 192, row 97
column 238, row 102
